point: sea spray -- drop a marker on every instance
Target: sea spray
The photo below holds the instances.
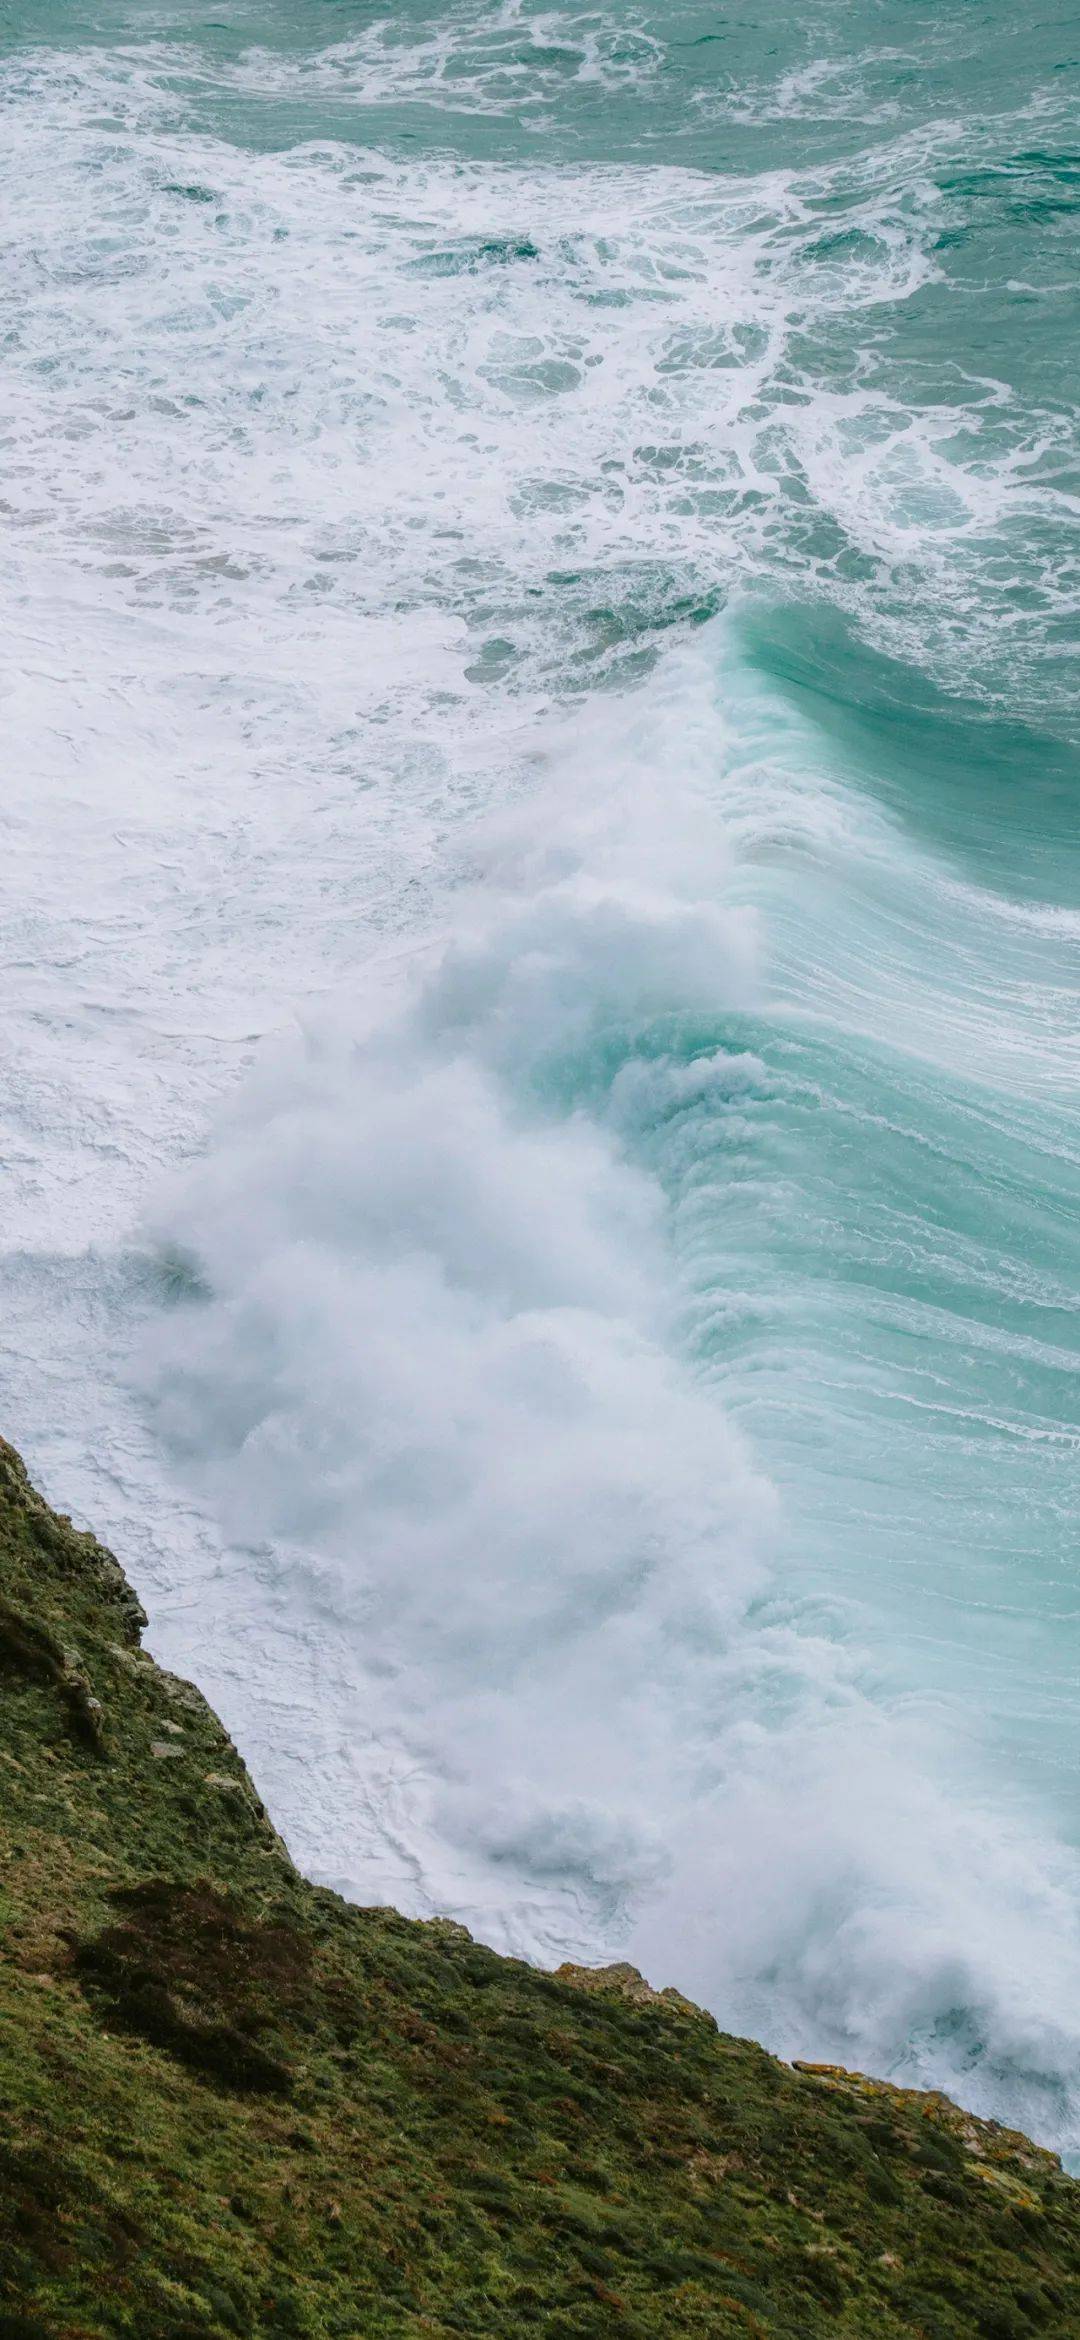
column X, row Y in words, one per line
column 427, row 1261
column 445, row 1356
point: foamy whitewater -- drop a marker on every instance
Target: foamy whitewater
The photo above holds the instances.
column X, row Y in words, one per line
column 540, row 965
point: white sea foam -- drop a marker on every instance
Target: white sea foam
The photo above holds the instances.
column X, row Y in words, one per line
column 512, row 60
column 651, row 380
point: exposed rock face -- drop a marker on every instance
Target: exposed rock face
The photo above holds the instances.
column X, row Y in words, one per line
column 624, row 1982
column 231, row 2104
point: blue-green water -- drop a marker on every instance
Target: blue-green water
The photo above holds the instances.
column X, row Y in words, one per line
column 541, row 553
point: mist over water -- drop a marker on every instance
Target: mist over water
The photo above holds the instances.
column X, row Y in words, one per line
column 544, row 902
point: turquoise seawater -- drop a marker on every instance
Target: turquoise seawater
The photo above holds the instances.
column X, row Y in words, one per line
column 542, row 557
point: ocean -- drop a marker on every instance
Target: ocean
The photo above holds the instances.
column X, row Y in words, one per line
column 541, row 900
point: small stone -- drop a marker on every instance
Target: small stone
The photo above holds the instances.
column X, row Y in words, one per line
column 163, row 1747
column 182, row 1693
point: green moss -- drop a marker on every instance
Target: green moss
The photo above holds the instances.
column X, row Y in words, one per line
column 231, row 2104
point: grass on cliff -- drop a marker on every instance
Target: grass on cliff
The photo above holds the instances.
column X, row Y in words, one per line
column 232, row 2104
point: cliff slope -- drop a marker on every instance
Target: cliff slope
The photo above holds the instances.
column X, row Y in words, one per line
column 232, row 2104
